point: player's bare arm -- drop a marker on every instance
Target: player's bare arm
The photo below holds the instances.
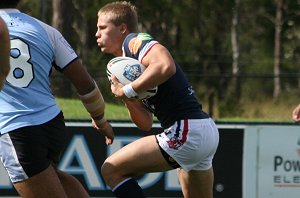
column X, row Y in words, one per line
column 91, row 97
column 137, row 111
column 139, row 114
column 160, row 67
column 85, row 83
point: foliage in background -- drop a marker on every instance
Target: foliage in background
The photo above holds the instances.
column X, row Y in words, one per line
column 198, row 34
column 259, row 110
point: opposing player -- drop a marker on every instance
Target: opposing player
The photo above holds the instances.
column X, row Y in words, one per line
column 190, row 137
column 32, row 126
column 4, row 52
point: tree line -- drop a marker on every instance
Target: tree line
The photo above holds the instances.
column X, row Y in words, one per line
column 219, row 44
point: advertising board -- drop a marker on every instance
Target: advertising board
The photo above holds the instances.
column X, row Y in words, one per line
column 85, row 152
column 272, row 162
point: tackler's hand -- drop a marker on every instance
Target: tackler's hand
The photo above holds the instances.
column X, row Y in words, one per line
column 105, row 128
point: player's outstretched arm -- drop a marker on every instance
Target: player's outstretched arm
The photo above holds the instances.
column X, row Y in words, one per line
column 91, row 98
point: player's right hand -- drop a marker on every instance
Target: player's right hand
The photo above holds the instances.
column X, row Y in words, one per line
column 106, row 129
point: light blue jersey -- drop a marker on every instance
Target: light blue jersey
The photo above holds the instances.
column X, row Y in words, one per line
column 26, row 98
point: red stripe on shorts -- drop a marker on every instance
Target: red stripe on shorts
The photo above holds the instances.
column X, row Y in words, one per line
column 185, row 131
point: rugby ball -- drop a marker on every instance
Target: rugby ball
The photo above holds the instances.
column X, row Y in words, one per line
column 126, row 70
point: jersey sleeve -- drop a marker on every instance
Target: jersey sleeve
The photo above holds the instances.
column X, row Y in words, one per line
column 137, row 45
column 63, row 52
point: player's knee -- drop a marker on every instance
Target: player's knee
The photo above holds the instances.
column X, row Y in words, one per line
column 109, row 172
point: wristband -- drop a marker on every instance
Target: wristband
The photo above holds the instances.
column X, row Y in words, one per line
column 129, row 91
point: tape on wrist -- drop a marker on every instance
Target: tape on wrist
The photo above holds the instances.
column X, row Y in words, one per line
column 94, row 102
column 100, row 122
column 129, row 91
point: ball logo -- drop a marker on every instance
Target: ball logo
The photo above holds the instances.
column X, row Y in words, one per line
column 132, row 72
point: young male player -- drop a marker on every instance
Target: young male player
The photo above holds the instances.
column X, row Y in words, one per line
column 190, row 137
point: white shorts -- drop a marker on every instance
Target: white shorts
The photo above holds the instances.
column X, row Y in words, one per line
column 192, row 143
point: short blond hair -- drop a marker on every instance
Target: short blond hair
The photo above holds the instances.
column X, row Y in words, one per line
column 122, row 12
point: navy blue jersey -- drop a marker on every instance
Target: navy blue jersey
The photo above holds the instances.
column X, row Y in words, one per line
column 175, row 99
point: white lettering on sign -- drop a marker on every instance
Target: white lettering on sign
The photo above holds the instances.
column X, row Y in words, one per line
column 85, row 166
column 78, row 150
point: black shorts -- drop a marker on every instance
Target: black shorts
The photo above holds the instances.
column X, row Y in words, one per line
column 29, row 150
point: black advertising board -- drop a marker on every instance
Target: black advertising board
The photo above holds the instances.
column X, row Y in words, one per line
column 85, row 152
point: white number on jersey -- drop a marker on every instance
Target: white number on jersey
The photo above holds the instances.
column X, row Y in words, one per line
column 21, row 70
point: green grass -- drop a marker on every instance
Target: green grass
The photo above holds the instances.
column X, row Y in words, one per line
column 250, row 110
column 74, row 109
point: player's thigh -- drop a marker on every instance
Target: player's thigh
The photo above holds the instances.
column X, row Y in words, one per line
column 138, row 157
column 197, row 183
column 44, row 184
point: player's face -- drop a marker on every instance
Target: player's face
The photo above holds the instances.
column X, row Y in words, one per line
column 109, row 37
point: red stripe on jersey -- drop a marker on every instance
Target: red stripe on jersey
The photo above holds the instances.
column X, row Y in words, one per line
column 185, row 130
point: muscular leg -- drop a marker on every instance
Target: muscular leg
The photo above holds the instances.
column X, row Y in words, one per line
column 51, row 183
column 134, row 159
column 72, row 186
column 45, row 184
column 196, row 183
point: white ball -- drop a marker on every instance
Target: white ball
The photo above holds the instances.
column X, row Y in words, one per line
column 126, row 70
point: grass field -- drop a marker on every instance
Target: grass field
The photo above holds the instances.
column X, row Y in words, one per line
column 250, row 110
column 73, row 109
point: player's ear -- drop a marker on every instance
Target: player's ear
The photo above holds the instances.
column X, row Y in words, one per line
column 123, row 28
